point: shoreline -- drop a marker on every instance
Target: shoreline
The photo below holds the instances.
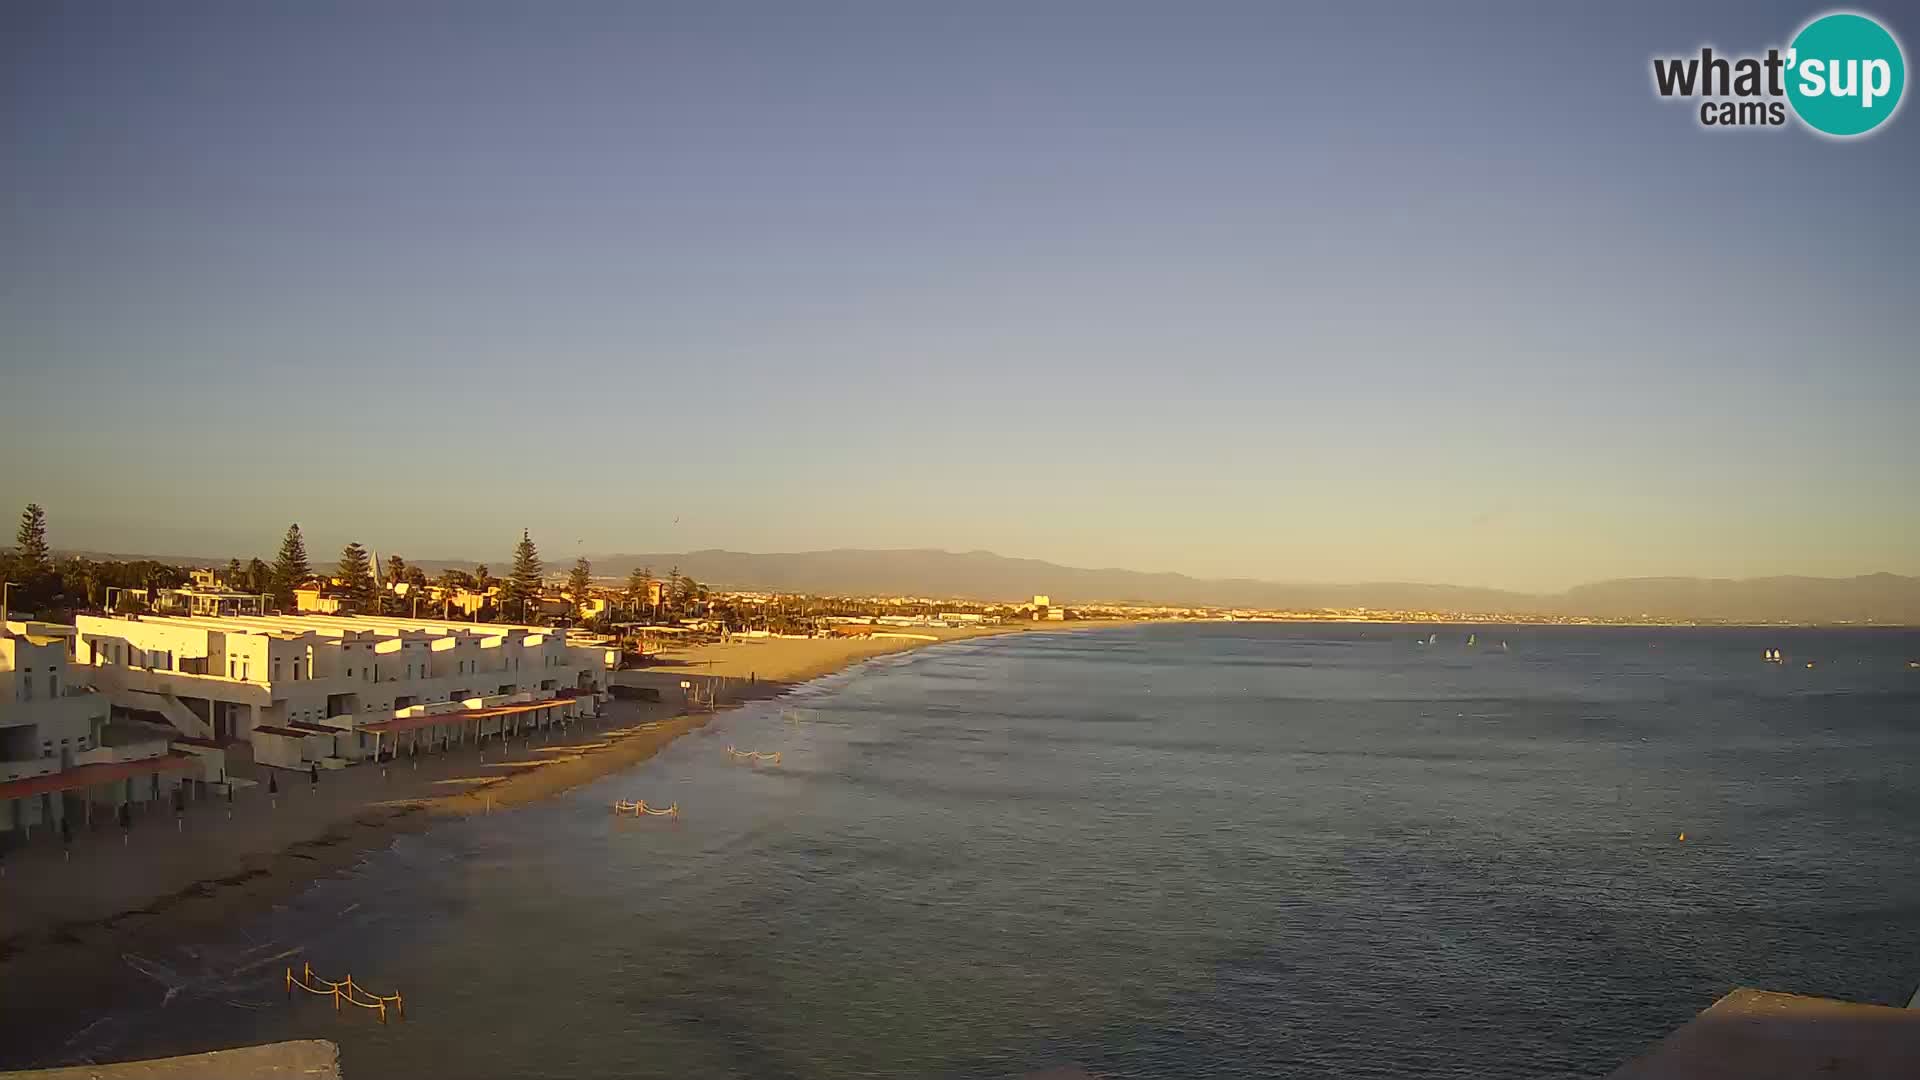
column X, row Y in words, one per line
column 64, row 953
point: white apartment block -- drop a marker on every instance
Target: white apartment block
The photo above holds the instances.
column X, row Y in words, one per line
column 60, row 754
column 325, row 689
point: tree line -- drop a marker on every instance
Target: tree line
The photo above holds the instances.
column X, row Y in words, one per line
column 40, row 584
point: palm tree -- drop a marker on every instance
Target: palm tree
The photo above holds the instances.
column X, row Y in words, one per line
column 640, row 588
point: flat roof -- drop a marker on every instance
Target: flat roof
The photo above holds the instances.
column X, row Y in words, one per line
column 334, row 625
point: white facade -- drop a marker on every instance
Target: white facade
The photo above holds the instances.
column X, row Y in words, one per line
column 224, row 678
column 58, row 753
column 46, row 719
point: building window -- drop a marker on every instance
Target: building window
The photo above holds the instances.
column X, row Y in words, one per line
column 349, row 673
column 53, row 686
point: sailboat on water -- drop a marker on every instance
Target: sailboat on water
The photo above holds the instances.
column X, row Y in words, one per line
column 1471, row 638
column 1772, row 656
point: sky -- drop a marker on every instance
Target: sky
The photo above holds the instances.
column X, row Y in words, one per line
column 1433, row 292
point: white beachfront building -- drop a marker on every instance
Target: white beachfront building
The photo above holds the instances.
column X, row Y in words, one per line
column 60, row 753
column 328, row 689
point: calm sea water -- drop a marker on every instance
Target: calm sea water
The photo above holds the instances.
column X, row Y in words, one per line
column 1218, row 851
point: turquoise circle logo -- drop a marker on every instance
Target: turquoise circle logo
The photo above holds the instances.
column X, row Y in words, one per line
column 1845, row 74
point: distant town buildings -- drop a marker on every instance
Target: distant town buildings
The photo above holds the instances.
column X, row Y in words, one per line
column 1042, row 609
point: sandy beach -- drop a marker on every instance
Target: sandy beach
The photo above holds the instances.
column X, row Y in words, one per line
column 68, row 920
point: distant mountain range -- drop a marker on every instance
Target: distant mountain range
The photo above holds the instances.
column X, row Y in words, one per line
column 982, row 575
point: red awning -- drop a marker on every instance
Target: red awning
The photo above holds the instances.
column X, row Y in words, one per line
column 104, row 773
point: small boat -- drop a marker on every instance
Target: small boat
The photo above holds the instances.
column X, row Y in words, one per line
column 1434, row 639
column 1471, row 638
column 1503, row 646
column 1772, row 656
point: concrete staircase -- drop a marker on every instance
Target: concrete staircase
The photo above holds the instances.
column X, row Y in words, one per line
column 171, row 708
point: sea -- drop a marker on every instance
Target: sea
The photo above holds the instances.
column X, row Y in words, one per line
column 1198, row 850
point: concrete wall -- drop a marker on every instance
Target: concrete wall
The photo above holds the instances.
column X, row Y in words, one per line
column 368, row 667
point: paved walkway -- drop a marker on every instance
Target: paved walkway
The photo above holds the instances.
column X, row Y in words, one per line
column 1757, row 1035
column 312, row 1059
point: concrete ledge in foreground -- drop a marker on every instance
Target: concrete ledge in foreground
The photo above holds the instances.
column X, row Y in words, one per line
column 1758, row 1035
column 308, row 1059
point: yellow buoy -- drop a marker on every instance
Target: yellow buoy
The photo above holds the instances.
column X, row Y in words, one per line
column 1683, row 837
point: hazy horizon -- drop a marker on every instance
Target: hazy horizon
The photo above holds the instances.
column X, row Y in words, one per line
column 556, row 565
column 1320, row 294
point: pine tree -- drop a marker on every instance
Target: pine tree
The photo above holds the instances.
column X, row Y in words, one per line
column 580, row 582
column 291, row 569
column 32, row 556
column 356, row 574
column 524, row 583
column 233, row 573
column 30, row 565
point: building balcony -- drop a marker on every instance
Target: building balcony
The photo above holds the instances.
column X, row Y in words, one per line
column 27, row 768
column 74, row 706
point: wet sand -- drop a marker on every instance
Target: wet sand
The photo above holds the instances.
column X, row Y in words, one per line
column 68, row 921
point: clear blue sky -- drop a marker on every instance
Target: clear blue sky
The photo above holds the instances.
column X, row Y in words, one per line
column 1302, row 293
